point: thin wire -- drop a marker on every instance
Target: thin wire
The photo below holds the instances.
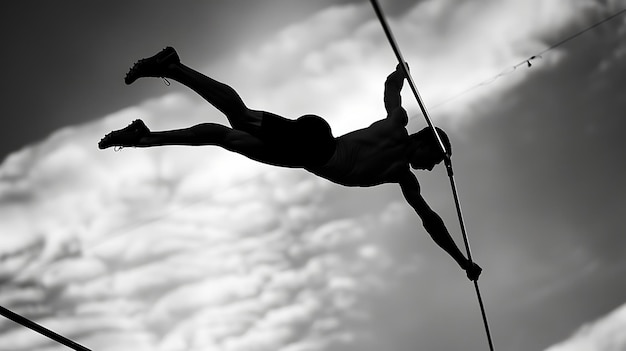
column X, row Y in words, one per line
column 528, row 62
column 619, row 13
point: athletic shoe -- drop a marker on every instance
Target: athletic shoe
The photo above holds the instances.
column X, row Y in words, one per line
column 128, row 136
column 153, row 66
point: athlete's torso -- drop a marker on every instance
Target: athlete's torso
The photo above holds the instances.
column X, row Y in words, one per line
column 369, row 156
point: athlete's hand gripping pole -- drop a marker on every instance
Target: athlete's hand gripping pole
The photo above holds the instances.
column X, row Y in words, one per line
column 447, row 160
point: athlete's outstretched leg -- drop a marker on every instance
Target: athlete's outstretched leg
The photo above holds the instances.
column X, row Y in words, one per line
column 137, row 134
column 220, row 95
column 167, row 64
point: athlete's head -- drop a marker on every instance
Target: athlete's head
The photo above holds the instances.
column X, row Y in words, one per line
column 425, row 151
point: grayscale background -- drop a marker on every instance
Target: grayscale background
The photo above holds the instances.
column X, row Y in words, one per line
column 181, row 248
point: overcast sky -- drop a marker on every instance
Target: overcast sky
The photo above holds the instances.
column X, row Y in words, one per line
column 180, row 248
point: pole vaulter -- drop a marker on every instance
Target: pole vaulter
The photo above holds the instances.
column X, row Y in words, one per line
column 447, row 159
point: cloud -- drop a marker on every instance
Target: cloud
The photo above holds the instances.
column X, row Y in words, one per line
column 605, row 334
column 168, row 249
column 451, row 46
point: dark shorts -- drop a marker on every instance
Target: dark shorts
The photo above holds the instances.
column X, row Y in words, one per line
column 307, row 141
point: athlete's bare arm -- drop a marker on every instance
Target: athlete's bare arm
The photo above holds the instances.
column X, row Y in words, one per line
column 434, row 224
column 392, row 97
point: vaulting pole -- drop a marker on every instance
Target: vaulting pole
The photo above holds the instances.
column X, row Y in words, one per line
column 41, row 330
column 448, row 161
column 396, row 50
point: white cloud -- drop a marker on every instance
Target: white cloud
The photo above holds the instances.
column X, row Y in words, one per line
column 605, row 334
column 337, row 69
column 126, row 242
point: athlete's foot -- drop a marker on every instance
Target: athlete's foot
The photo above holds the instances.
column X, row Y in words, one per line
column 129, row 136
column 154, row 66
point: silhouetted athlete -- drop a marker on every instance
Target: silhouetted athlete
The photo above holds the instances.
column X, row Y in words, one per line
column 382, row 153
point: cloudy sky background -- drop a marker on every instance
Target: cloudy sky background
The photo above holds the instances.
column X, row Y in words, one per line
column 184, row 248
